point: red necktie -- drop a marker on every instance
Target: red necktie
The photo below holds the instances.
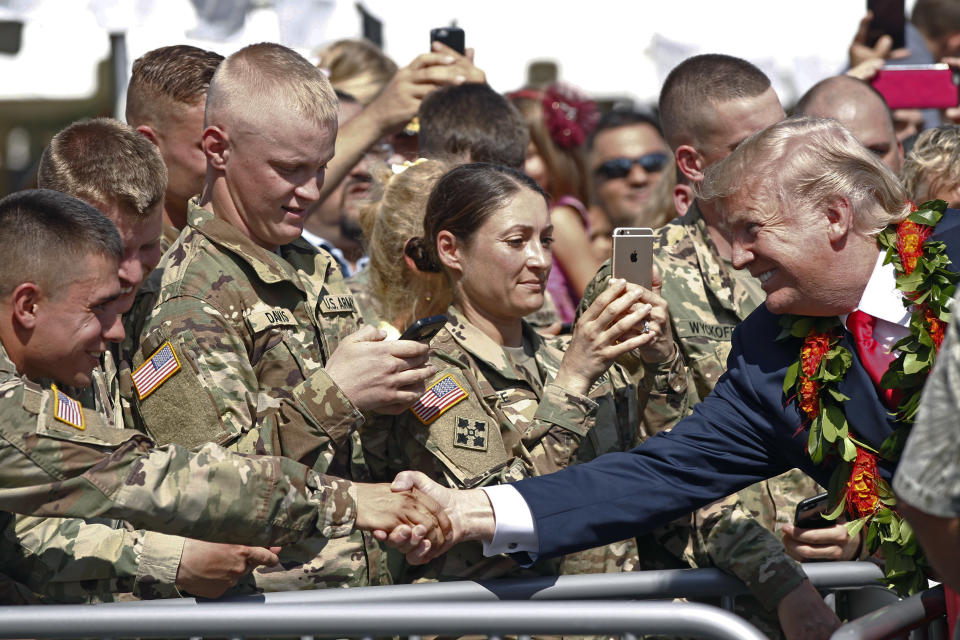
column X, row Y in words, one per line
column 876, row 360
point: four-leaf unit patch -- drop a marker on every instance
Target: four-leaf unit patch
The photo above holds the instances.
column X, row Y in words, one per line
column 470, row 434
column 440, row 396
column 155, row 370
column 67, row 410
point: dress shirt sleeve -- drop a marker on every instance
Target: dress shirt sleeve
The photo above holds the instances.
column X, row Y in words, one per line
column 515, row 529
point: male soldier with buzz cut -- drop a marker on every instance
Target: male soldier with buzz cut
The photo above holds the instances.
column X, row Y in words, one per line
column 165, row 100
column 59, row 294
column 255, row 315
column 115, row 169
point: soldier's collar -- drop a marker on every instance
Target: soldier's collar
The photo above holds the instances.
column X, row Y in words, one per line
column 270, row 267
column 480, row 345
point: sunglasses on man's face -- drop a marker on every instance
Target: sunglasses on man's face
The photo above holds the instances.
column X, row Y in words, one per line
column 620, row 167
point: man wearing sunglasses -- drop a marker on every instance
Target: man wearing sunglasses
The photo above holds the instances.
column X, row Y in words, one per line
column 627, row 159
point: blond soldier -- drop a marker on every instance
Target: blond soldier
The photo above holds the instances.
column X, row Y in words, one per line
column 255, row 315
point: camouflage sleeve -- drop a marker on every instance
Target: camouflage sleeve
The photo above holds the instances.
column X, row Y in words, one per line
column 664, row 394
column 559, row 424
column 740, row 545
column 215, row 397
column 69, row 560
column 50, row 468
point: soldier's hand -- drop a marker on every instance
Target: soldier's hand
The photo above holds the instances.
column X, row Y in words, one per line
column 207, row 569
column 471, row 515
column 605, row 331
column 831, row 543
column 380, row 375
column 398, row 102
column 804, row 615
column 407, row 520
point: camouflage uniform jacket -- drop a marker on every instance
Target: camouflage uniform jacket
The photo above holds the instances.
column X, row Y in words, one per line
column 510, row 422
column 727, row 533
column 50, row 467
column 98, row 560
column 168, row 236
column 252, row 328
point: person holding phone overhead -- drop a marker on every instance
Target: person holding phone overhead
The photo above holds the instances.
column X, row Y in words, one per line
column 504, row 403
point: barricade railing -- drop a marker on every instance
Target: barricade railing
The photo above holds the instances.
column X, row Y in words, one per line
column 675, row 583
column 897, row 619
column 238, row 620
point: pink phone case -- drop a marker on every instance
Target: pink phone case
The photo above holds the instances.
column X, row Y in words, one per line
column 917, row 87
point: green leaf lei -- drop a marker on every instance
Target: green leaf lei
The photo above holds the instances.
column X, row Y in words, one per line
column 856, row 486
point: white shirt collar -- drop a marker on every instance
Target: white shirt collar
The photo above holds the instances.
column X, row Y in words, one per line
column 881, row 298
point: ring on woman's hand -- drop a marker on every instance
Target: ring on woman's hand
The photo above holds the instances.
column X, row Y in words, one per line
column 646, row 327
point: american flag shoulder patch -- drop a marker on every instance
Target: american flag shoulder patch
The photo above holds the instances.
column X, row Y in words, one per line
column 155, row 370
column 67, row 410
column 440, row 396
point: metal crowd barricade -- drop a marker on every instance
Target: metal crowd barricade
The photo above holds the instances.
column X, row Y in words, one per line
column 237, row 620
column 521, row 606
column 642, row 585
column 897, row 619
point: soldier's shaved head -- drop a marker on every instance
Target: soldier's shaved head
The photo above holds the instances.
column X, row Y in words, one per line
column 45, row 233
column 696, row 85
column 254, row 82
column 861, row 109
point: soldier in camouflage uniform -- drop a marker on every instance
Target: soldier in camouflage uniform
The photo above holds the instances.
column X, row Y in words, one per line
column 110, row 166
column 165, row 101
column 510, row 413
column 61, row 459
column 256, row 315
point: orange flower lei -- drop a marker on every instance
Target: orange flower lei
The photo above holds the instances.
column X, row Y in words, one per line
column 857, row 487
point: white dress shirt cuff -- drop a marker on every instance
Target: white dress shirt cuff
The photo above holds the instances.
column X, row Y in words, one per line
column 515, row 529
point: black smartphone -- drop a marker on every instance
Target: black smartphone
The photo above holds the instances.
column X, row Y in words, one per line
column 810, row 513
column 451, row 36
column 424, row 329
column 889, row 17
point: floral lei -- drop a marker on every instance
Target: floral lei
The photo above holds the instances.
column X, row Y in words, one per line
column 856, row 486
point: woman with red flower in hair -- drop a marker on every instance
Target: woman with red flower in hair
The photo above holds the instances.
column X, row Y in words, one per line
column 560, row 119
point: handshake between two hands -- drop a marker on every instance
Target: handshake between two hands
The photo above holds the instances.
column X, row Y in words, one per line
column 421, row 518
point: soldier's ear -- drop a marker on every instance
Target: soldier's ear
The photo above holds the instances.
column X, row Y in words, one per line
column 690, row 163
column 149, row 133
column 216, row 146
column 25, row 302
column 448, row 250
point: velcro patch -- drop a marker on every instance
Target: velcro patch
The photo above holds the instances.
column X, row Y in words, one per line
column 470, row 434
column 440, row 396
column 697, row 329
column 337, row 304
column 277, row 317
column 67, row 410
column 155, row 370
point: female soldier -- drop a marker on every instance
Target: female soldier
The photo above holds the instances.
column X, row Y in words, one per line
column 505, row 404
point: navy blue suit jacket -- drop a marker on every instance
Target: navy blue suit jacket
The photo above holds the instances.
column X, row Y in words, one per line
column 740, row 434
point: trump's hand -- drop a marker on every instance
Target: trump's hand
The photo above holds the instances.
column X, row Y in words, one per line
column 407, row 520
column 469, row 511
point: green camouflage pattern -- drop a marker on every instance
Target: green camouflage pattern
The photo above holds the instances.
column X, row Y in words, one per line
column 49, row 468
column 168, row 236
column 253, row 329
column 510, row 425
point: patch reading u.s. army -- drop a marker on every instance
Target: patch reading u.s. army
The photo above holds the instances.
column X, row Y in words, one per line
column 155, row 370
column 67, row 410
column 440, row 396
column 470, row 434
column 337, row 304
